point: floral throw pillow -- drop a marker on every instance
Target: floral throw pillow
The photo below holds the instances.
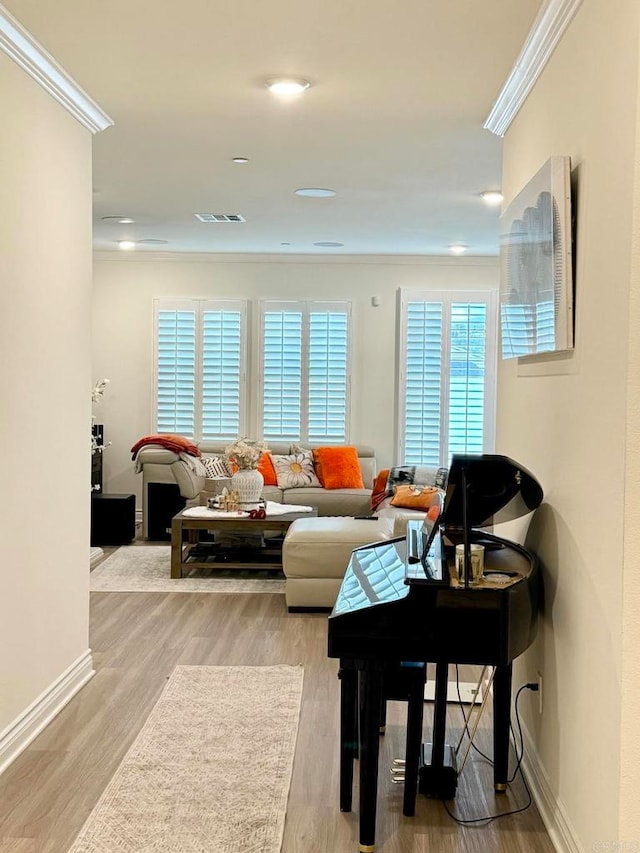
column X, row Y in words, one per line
column 296, row 470
column 216, row 466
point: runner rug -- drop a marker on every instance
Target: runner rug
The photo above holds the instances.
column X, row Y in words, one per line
column 210, row 770
column 147, row 568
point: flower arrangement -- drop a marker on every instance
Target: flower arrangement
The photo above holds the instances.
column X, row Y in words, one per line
column 245, row 453
column 97, row 392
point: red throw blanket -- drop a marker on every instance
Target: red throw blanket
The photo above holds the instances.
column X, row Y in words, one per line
column 170, row 442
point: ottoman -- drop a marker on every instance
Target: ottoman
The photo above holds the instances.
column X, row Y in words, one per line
column 315, row 554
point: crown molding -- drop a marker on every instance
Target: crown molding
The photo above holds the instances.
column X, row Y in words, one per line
column 280, row 258
column 547, row 30
column 29, row 54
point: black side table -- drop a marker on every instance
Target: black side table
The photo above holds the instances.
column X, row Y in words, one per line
column 113, row 519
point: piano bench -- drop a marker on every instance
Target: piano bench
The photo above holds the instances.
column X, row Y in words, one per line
column 315, row 554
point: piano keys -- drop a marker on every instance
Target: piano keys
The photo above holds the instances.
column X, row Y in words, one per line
column 394, row 607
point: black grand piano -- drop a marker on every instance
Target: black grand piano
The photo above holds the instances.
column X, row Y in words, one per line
column 401, row 605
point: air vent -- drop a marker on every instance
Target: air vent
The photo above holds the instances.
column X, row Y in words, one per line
column 219, row 217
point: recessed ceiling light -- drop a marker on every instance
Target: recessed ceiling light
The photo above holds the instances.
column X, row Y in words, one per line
column 492, row 197
column 328, row 244
column 126, row 245
column 285, row 244
column 122, row 220
column 239, row 159
column 287, row 85
column 458, row 249
column 151, row 241
column 315, row 192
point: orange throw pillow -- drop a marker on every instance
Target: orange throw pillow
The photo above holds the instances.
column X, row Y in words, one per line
column 338, row 467
column 379, row 492
column 265, row 466
column 416, row 497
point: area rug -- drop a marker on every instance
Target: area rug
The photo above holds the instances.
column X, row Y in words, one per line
column 146, row 568
column 210, row 770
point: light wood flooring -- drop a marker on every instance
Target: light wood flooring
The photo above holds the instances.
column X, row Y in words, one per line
column 137, row 639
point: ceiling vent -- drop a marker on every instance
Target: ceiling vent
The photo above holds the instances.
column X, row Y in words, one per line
column 219, row 217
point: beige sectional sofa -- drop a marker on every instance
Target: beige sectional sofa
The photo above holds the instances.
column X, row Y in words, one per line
column 167, row 480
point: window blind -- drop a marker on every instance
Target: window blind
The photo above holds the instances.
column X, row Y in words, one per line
column 447, row 376
column 305, row 371
column 199, row 361
column 221, row 373
column 176, row 372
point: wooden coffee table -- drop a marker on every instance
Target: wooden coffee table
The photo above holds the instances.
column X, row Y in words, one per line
column 191, row 554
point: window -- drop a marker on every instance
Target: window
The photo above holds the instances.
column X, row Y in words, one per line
column 447, row 375
column 304, row 371
column 199, row 368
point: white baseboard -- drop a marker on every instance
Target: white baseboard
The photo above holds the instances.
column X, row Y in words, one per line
column 19, row 734
column 468, row 692
column 552, row 811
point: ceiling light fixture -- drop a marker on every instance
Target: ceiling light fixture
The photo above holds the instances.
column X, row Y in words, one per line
column 239, row 159
column 151, row 241
column 287, row 85
column 492, row 197
column 315, row 192
column 121, row 220
column 458, row 249
column 328, row 244
column 126, row 245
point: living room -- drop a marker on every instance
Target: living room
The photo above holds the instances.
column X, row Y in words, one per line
column 565, row 418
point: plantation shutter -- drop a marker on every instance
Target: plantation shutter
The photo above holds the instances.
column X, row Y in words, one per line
column 176, row 372
column 221, row 373
column 467, row 377
column 282, row 375
column 305, row 371
column 328, row 355
column 199, row 367
column 447, row 376
column 422, row 414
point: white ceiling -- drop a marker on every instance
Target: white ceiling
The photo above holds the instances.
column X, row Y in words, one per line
column 392, row 122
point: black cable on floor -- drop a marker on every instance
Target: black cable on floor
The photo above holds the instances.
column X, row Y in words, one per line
column 488, row 818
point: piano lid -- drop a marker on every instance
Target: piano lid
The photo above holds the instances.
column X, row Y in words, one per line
column 498, row 490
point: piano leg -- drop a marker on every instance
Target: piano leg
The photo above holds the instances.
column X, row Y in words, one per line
column 438, row 777
column 440, row 715
column 370, row 698
column 501, row 718
column 348, row 733
column 415, row 714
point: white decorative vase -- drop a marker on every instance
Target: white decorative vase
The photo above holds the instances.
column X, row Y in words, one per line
column 248, row 483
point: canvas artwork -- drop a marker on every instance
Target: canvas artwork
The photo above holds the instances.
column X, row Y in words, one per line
column 536, row 279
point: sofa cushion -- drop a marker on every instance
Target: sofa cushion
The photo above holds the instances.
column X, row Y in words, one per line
column 272, row 493
column 321, row 547
column 296, row 470
column 338, row 467
column 331, row 502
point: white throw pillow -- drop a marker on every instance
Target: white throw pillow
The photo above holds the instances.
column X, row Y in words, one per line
column 296, row 471
column 216, row 466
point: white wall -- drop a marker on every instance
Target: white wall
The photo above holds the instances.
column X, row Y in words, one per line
column 122, row 330
column 564, row 418
column 45, row 379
